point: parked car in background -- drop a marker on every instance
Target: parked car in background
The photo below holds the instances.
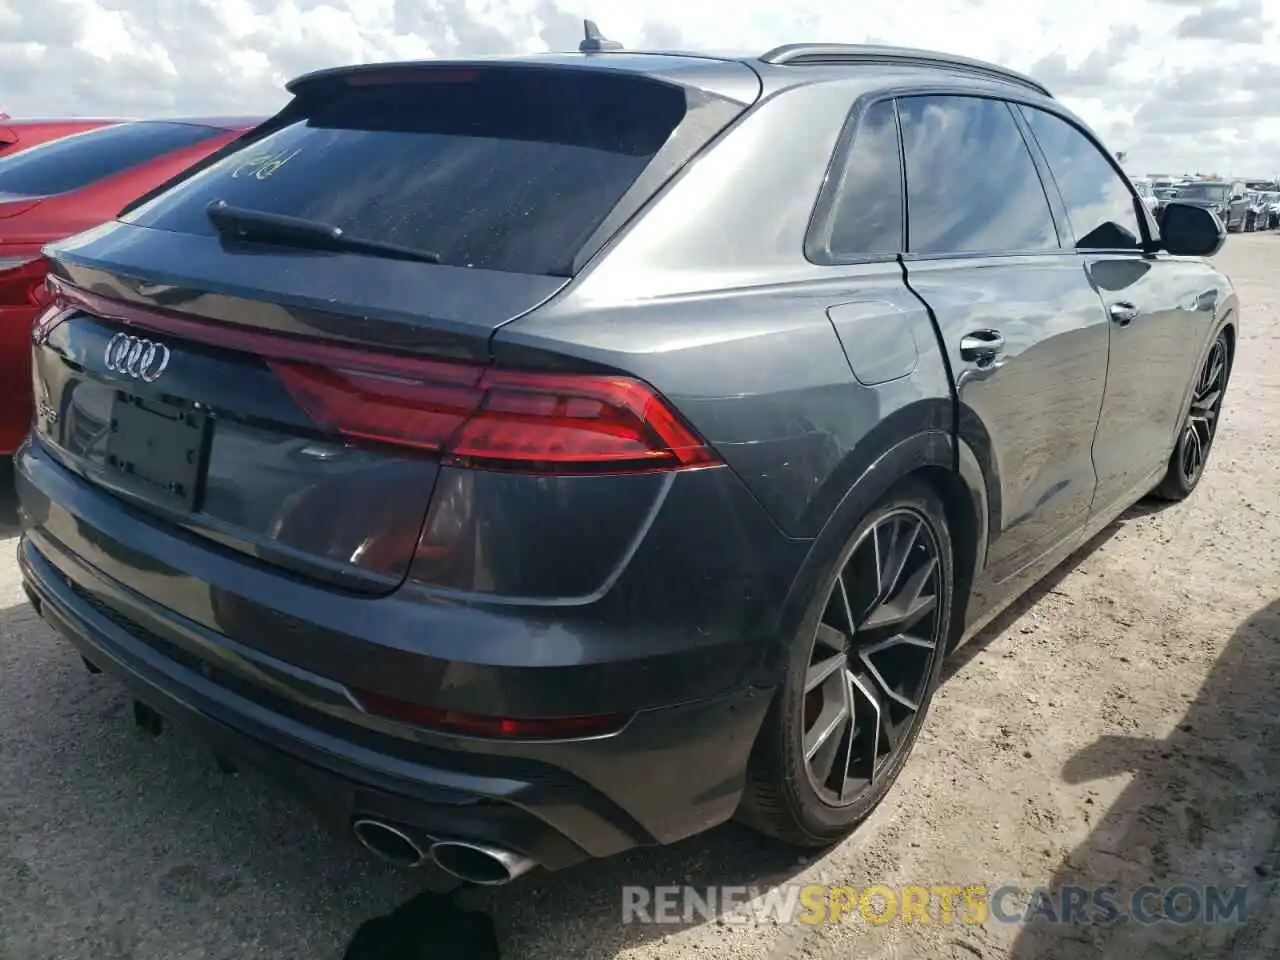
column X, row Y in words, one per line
column 1273, row 210
column 1255, row 211
column 435, row 450
column 19, row 135
column 1145, row 190
column 59, row 188
column 1225, row 198
column 1163, row 195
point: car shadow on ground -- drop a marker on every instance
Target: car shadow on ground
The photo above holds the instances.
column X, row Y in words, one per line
column 1202, row 810
column 233, row 866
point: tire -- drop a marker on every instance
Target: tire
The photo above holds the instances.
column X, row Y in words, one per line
column 1200, row 425
column 783, row 797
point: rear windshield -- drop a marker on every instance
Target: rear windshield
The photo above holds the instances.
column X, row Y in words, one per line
column 77, row 161
column 498, row 168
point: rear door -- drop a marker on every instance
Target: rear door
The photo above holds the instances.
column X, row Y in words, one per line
column 1159, row 307
column 1023, row 330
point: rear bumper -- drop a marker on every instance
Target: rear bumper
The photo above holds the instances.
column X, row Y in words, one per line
column 672, row 771
column 693, row 754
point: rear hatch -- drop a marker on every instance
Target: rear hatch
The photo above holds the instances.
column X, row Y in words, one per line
column 271, row 353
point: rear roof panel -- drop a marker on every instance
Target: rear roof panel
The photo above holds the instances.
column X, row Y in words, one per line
column 732, row 79
column 735, row 74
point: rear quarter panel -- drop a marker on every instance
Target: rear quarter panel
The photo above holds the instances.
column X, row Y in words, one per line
column 708, row 296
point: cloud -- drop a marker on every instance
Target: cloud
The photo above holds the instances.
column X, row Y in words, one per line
column 1242, row 22
column 1178, row 84
column 1099, row 73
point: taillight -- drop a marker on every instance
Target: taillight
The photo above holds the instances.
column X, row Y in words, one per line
column 481, row 416
column 22, row 283
column 469, row 414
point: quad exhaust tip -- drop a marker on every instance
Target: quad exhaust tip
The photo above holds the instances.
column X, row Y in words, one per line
column 389, row 843
column 475, row 863
column 479, row 864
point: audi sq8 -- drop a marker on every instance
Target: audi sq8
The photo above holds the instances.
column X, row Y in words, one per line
column 72, row 181
column 533, row 458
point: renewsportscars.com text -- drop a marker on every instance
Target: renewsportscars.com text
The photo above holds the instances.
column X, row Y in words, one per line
column 970, row 904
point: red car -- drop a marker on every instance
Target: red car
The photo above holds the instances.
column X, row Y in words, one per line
column 63, row 187
column 18, row 135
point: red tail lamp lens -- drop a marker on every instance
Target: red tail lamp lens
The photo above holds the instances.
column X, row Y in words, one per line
column 22, row 283
column 501, row 419
column 473, row 725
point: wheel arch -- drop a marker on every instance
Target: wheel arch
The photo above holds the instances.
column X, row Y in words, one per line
column 1226, row 324
column 951, row 470
column 1228, row 327
column 963, row 493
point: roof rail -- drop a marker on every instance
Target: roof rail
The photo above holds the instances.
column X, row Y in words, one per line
column 821, row 54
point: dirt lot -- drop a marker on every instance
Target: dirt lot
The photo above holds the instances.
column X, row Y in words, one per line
column 1121, row 727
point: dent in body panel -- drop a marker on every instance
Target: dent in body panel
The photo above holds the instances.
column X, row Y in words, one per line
column 1030, row 415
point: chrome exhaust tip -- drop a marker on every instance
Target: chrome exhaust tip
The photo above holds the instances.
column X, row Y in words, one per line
column 388, row 842
column 479, row 864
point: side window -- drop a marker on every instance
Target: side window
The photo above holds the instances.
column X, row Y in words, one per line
column 1099, row 202
column 972, row 186
column 866, row 211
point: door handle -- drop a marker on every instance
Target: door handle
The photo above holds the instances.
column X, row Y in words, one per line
column 981, row 346
column 1123, row 313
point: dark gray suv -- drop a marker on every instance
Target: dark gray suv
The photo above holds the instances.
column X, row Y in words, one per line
column 534, row 458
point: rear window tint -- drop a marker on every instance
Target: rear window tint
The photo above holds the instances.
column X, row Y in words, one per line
column 82, row 159
column 496, row 168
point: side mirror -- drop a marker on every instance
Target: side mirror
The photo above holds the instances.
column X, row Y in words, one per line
column 1190, row 231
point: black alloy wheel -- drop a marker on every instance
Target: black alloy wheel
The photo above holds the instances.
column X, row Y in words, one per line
column 1191, row 452
column 872, row 657
column 861, row 678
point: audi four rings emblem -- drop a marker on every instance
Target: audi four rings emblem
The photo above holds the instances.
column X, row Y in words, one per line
column 134, row 357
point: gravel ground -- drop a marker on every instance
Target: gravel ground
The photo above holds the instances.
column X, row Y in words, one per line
column 1120, row 726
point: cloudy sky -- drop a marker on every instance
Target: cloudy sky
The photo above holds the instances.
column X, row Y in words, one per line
column 1181, row 85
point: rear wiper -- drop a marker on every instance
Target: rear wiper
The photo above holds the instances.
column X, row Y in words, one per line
column 258, row 226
